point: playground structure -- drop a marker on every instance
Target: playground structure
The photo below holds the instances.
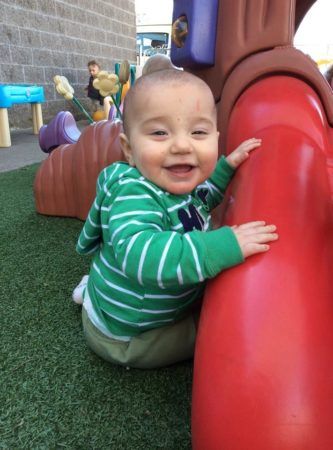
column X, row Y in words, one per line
column 65, row 184
column 263, row 362
column 18, row 94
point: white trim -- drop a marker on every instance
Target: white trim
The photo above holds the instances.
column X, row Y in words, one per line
column 162, row 260
column 195, row 256
column 135, row 213
column 142, row 260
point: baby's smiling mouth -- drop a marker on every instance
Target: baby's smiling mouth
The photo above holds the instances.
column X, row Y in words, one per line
column 180, row 169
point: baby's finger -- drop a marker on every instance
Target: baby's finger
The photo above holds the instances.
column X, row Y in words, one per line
column 261, row 238
column 250, row 232
column 250, row 148
column 253, row 224
column 252, row 249
column 251, row 142
column 257, row 238
column 253, row 146
column 261, row 229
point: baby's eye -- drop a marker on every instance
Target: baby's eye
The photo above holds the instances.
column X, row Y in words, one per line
column 199, row 132
column 159, row 133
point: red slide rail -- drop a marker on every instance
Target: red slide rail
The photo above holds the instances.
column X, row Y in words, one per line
column 263, row 375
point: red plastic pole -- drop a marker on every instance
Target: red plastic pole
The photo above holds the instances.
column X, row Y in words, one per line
column 263, row 375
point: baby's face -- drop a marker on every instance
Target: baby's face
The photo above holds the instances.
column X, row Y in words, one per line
column 93, row 70
column 173, row 140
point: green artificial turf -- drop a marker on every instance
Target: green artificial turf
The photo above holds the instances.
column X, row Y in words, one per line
column 55, row 393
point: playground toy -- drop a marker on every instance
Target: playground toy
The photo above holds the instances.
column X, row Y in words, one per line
column 64, row 88
column 99, row 115
column 61, row 130
column 108, row 85
column 65, row 184
column 127, row 78
column 18, row 94
column 115, row 85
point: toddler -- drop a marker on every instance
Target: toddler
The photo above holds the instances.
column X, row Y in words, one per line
column 98, row 102
column 149, row 227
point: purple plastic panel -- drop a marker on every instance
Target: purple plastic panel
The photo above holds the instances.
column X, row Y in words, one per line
column 199, row 48
column 61, row 130
column 113, row 115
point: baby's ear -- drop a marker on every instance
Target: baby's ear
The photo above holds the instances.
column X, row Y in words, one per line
column 126, row 149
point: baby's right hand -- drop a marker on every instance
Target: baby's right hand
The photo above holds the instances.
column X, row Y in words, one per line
column 252, row 237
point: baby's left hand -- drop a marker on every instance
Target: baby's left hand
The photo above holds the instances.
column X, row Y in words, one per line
column 242, row 152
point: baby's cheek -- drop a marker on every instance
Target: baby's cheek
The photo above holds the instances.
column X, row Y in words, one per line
column 145, row 158
column 152, row 159
column 145, row 162
column 210, row 167
column 147, row 165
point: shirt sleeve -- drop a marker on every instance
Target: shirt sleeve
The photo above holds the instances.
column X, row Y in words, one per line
column 151, row 256
column 217, row 184
column 90, row 238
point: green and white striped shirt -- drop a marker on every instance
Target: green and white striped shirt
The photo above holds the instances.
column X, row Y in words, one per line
column 152, row 250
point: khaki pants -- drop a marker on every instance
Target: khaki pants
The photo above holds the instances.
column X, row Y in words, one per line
column 152, row 349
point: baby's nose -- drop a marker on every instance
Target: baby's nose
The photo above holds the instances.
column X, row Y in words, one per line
column 181, row 144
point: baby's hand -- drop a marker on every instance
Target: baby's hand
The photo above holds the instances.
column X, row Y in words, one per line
column 242, row 152
column 252, row 237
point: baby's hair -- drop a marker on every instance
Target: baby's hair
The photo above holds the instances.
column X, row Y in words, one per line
column 93, row 62
column 159, row 77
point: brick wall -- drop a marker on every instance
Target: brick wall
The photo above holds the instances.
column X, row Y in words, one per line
column 43, row 38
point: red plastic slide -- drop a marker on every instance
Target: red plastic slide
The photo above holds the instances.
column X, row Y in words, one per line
column 263, row 377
